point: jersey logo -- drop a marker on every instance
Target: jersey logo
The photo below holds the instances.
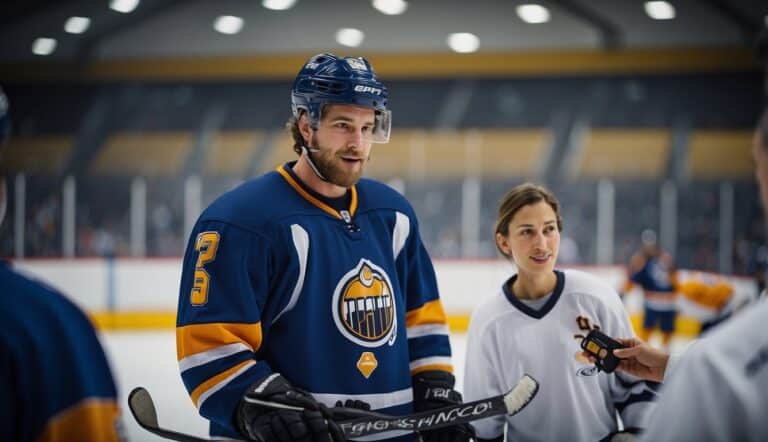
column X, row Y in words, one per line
column 367, row 363
column 364, row 307
column 587, row 371
column 585, row 325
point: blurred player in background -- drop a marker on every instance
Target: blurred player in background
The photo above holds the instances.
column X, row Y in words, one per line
column 535, row 325
column 710, row 298
column 653, row 270
column 55, row 380
column 716, row 390
column 310, row 285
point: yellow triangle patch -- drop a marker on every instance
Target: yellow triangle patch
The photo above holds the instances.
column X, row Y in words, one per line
column 367, row 363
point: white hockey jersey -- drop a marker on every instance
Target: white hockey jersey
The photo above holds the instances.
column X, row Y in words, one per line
column 718, row 389
column 508, row 338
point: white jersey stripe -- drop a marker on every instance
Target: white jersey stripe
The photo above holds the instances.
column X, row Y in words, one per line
column 377, row 401
column 223, row 384
column 434, row 360
column 418, row 331
column 211, row 355
column 400, row 235
column 301, row 243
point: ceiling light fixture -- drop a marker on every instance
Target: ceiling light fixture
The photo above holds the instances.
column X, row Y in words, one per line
column 533, row 13
column 77, row 25
column 390, row 7
column 278, row 5
column 228, row 24
column 124, row 6
column 44, row 46
column 349, row 37
column 659, row 10
column 463, row 42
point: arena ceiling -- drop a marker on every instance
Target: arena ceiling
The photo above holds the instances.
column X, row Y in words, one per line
column 158, row 29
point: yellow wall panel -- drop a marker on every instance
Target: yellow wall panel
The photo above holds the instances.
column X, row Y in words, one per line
column 720, row 154
column 148, row 154
column 231, row 152
column 41, row 154
column 624, row 153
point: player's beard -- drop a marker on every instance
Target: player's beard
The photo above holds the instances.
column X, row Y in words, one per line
column 329, row 166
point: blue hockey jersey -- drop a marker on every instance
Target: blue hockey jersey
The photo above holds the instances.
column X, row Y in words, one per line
column 344, row 304
column 55, row 379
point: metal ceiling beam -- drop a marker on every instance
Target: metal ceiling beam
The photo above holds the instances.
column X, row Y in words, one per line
column 611, row 36
column 146, row 9
column 749, row 26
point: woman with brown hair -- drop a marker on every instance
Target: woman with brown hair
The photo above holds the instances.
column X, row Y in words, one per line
column 535, row 323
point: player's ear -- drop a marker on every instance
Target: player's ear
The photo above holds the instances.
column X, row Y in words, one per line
column 503, row 244
column 304, row 127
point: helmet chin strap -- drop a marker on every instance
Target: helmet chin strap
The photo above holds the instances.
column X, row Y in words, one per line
column 308, row 151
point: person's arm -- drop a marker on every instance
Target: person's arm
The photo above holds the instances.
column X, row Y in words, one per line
column 641, row 360
column 226, row 281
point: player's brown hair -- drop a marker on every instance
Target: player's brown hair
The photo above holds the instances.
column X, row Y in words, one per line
column 292, row 125
column 520, row 196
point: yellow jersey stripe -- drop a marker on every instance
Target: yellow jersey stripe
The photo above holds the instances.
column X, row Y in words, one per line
column 88, row 420
column 198, row 338
column 430, row 313
column 325, row 207
column 441, row 367
column 220, row 378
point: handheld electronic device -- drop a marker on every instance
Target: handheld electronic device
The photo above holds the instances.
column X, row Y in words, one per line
column 601, row 346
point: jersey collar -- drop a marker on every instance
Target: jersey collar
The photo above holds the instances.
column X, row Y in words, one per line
column 520, row 305
column 315, row 201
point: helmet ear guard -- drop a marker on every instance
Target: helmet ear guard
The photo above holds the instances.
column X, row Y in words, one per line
column 327, row 79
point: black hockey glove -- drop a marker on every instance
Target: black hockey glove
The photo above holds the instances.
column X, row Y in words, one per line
column 269, row 424
column 347, row 410
column 434, row 389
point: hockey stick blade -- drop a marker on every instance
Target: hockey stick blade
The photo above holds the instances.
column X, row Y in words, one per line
column 143, row 409
column 510, row 403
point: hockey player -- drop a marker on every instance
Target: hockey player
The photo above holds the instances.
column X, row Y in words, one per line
column 55, row 379
column 310, row 285
column 653, row 270
column 716, row 390
column 535, row 323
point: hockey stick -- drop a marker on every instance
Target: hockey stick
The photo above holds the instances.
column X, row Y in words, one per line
column 510, row 403
column 143, row 410
column 372, row 423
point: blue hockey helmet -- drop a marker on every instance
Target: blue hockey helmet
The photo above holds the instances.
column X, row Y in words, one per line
column 5, row 118
column 328, row 79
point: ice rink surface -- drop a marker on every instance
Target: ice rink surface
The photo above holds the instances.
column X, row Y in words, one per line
column 148, row 359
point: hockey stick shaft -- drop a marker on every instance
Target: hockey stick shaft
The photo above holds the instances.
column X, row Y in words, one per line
column 510, row 404
column 143, row 409
column 372, row 423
